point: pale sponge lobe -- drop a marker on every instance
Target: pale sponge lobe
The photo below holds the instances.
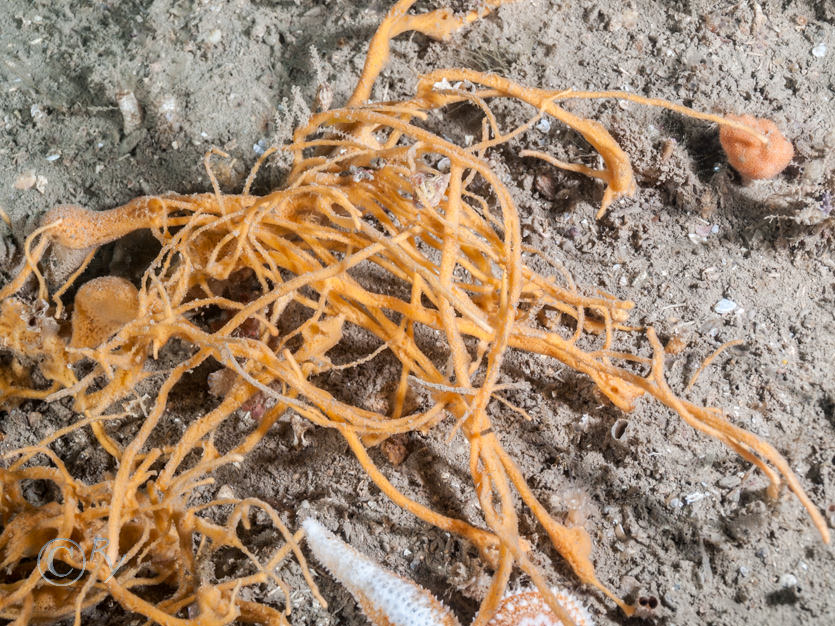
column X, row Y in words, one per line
column 748, row 155
column 385, row 598
column 102, row 307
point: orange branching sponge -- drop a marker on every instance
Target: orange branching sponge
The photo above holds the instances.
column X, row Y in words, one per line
column 756, row 155
column 31, row 335
column 368, row 236
column 439, row 24
column 54, row 558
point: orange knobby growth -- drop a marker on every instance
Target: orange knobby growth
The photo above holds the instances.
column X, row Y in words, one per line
column 102, row 306
column 752, row 156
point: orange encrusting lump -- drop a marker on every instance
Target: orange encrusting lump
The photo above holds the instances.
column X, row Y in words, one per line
column 752, row 156
column 102, row 306
column 367, row 236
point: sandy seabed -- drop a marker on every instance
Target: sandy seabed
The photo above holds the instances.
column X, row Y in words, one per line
column 673, row 514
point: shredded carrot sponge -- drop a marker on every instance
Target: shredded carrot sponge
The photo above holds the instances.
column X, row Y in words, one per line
column 364, row 200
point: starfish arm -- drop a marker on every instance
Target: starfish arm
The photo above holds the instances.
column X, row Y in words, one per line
column 529, row 607
column 386, row 598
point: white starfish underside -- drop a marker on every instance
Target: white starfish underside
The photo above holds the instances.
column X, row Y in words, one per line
column 391, row 600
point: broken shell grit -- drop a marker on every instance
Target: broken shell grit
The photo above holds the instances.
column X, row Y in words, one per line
column 25, row 181
column 131, row 113
column 725, row 306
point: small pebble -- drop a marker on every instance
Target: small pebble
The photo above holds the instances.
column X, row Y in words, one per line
column 629, row 18
column 214, row 37
column 729, row 482
column 25, row 181
column 619, row 532
column 37, row 113
column 545, row 185
column 703, row 230
column 725, row 306
column 788, row 580
column 690, row 498
column 225, row 493
column 260, row 147
column 167, row 109
column 669, row 601
column 543, row 125
column 53, row 157
column 444, row 164
column 819, row 51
